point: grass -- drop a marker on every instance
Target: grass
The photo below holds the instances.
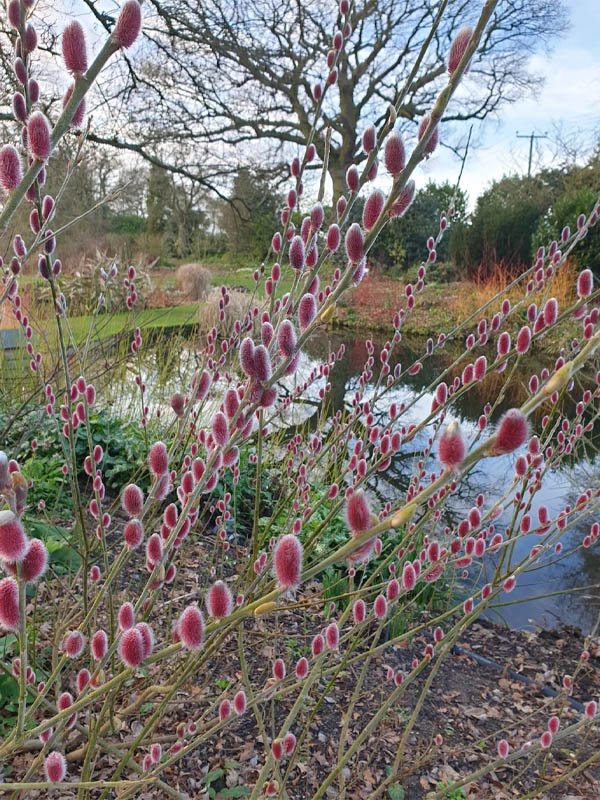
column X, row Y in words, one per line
column 112, row 324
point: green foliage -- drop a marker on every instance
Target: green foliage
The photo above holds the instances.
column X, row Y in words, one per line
column 517, row 214
column 59, row 542
column 250, row 216
column 564, row 211
column 127, row 224
column 402, row 243
column 453, row 794
column 396, row 792
column 9, row 692
column 122, row 441
column 502, row 225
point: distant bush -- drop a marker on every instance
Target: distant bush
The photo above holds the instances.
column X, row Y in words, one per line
column 564, row 212
column 193, row 280
column 502, row 226
column 236, row 308
column 402, row 246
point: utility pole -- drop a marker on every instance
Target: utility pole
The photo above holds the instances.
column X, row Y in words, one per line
column 531, row 138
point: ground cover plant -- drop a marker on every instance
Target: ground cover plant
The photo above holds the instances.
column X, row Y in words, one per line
column 204, row 586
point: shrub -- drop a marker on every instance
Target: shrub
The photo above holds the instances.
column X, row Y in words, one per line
column 502, row 226
column 564, row 212
column 322, row 560
column 193, row 280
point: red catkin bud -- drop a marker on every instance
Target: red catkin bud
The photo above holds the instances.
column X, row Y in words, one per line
column 585, row 283
column 147, row 637
column 178, row 404
column 352, row 179
column 156, row 752
column 126, row 616
column 479, row 368
column 287, row 561
column 358, row 513
column 247, row 356
column 219, row 600
column 286, row 339
column 128, row 25
column 354, row 243
column 404, row 200
column 231, row 402
column 523, row 340
column 191, row 628
column 550, row 311
column 409, row 577
column 318, row 645
column 373, row 208
column 99, row 645
column 239, row 702
column 13, row 541
column 74, row 49
column 78, row 115
column 302, row 668
column 133, row 534
column 14, row 14
column 9, row 604
column 224, row 710
column 279, row 670
column 55, row 767
column 132, row 500
column 307, row 310
column 316, row 216
column 458, row 47
column 359, row 611
column 158, row 457
column 380, row 607
column 83, row 678
column 297, row 253
column 369, row 139
column 546, row 739
column 332, row 636
column 452, row 447
column 512, row 432
column 34, row 564
column 503, row 748
column 154, row 549
column 38, row 136
column 131, row 647
column 289, row 743
column 553, row 725
column 262, row 363
column 277, row 749
column 503, row 343
column 11, row 173
column 333, row 238
column 220, row 429
column 73, row 644
column 432, row 142
column 394, row 153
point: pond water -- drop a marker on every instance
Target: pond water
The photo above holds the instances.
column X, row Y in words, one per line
column 562, row 578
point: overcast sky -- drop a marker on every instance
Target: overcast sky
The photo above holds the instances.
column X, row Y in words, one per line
column 570, row 100
column 569, row 103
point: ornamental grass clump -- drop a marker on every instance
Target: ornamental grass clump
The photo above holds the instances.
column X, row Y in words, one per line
column 244, row 578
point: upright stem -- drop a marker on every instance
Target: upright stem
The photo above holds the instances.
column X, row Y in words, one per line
column 22, row 652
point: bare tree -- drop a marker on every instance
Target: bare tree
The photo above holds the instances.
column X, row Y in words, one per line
column 213, row 77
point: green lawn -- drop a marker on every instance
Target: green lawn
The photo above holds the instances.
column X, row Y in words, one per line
column 112, row 324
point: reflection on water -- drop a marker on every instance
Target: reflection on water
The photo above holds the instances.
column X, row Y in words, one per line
column 560, row 486
column 164, row 374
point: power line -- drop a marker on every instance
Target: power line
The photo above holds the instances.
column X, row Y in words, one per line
column 531, row 138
